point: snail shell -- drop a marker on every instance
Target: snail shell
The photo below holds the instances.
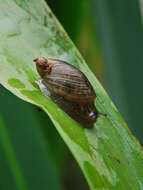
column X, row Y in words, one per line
column 66, row 81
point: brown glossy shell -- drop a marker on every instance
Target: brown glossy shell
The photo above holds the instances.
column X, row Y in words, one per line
column 69, row 89
column 67, row 81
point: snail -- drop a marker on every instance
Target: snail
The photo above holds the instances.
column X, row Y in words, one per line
column 70, row 89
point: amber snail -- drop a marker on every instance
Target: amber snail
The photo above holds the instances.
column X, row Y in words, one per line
column 71, row 87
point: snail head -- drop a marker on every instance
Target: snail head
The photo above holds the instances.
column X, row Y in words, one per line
column 42, row 66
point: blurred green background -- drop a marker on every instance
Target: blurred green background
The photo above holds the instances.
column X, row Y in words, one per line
column 109, row 36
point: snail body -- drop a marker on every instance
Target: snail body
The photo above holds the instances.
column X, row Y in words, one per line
column 66, row 81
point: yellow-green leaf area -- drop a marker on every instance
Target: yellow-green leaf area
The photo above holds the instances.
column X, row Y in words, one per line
column 15, row 83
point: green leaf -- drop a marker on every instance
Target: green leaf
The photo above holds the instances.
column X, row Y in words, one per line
column 108, row 154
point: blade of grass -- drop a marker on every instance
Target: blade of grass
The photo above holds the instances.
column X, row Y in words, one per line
column 25, row 148
column 11, row 157
column 103, row 153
